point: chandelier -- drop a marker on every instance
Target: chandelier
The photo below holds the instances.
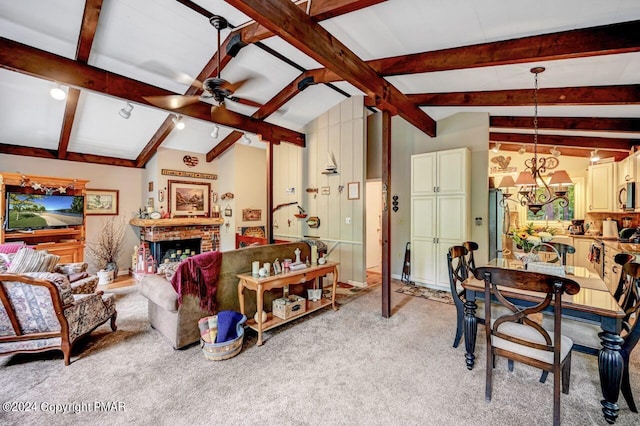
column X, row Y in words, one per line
column 534, row 192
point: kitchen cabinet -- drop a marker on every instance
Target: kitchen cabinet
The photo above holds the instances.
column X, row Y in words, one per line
column 612, row 271
column 625, row 173
column 439, row 212
column 601, row 189
column 581, row 257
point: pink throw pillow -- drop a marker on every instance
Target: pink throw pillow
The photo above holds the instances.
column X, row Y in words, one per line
column 9, row 248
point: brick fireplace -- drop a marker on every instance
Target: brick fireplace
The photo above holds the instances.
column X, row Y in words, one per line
column 165, row 235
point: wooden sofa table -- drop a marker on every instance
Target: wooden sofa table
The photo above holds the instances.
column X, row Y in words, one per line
column 262, row 284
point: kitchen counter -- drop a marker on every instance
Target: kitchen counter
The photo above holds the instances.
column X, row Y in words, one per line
column 623, row 247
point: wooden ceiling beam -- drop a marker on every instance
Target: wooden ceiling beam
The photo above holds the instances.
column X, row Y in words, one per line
column 88, row 28
column 568, row 151
column 320, row 10
column 294, row 26
column 28, row 60
column 586, row 142
column 586, row 42
column 224, row 144
column 67, row 122
column 156, row 140
column 595, row 124
column 590, row 95
column 71, row 156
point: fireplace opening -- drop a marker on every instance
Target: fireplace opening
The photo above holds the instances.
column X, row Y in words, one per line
column 174, row 250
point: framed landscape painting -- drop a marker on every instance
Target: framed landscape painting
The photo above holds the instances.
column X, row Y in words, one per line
column 189, row 198
column 102, row 201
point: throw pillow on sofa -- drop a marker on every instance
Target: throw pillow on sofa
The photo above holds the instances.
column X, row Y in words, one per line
column 30, row 260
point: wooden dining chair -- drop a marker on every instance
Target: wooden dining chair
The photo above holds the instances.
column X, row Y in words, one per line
column 517, row 337
column 631, row 327
column 563, row 250
column 471, row 247
column 458, row 272
column 625, row 280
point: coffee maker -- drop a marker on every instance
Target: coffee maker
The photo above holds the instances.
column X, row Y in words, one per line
column 576, row 227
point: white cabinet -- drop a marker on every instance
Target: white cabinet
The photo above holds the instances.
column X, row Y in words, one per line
column 439, row 172
column 581, row 257
column 626, row 170
column 439, row 212
column 601, row 188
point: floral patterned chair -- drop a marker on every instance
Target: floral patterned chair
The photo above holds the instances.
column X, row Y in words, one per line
column 39, row 312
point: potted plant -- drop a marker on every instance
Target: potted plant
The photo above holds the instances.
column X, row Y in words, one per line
column 106, row 249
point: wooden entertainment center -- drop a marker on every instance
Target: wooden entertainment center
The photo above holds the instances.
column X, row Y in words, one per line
column 69, row 242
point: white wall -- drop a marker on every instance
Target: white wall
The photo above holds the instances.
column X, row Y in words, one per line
column 341, row 133
column 125, row 179
column 460, row 130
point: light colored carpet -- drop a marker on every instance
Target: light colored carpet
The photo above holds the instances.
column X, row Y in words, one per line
column 349, row 367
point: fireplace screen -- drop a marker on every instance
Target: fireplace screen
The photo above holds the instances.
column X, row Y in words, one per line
column 174, row 250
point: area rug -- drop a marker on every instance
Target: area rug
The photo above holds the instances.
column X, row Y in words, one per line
column 426, row 293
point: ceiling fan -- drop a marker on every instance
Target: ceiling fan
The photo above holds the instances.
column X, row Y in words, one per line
column 216, row 88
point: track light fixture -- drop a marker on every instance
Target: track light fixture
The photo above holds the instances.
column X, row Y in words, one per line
column 554, row 151
column 57, row 93
column 179, row 122
column 126, row 111
column 594, row 156
column 246, row 139
column 215, row 132
column 496, row 147
column 522, row 150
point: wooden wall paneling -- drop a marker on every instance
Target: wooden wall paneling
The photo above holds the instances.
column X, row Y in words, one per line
column 333, row 146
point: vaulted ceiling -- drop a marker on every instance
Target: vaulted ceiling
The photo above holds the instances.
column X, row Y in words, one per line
column 423, row 61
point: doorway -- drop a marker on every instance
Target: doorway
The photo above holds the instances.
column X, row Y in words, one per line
column 373, row 237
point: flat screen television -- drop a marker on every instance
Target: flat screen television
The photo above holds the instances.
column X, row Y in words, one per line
column 39, row 211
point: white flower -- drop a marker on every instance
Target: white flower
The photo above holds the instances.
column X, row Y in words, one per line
column 545, row 236
column 534, row 240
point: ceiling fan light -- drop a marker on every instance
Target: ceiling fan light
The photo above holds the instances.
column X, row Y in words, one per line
column 496, row 147
column 57, row 93
column 215, row 132
column 126, row 111
column 179, row 122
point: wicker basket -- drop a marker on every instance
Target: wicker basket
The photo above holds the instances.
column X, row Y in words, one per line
column 219, row 351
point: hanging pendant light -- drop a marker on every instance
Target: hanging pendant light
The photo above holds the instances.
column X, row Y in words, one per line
column 533, row 190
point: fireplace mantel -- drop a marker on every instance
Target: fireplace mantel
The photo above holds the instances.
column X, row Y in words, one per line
column 177, row 222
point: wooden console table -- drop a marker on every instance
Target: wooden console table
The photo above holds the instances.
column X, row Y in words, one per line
column 262, row 284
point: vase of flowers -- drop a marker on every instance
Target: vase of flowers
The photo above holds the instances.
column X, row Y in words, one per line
column 527, row 237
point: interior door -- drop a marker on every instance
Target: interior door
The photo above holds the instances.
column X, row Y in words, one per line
column 374, row 224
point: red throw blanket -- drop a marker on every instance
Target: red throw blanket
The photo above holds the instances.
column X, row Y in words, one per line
column 198, row 276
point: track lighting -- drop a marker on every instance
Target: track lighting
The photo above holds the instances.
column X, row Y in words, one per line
column 246, row 139
column 126, row 111
column 496, row 147
column 594, row 156
column 522, row 150
column 554, row 151
column 57, row 93
column 178, row 122
column 215, row 131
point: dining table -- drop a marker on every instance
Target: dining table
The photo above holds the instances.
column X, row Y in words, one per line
column 594, row 303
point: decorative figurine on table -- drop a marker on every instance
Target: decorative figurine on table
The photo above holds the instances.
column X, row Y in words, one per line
column 297, row 253
column 276, row 267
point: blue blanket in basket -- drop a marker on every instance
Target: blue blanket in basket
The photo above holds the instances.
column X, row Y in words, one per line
column 227, row 325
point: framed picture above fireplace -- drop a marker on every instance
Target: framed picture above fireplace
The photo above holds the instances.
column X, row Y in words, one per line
column 189, row 198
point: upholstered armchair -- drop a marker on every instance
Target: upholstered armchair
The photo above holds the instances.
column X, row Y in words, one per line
column 39, row 312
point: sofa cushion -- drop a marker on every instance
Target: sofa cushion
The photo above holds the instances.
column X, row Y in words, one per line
column 30, row 260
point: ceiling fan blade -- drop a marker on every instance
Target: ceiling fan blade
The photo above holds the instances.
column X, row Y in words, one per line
column 172, row 101
column 243, row 101
column 218, row 111
column 232, row 87
column 158, row 67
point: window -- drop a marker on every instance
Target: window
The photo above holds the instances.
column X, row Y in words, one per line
column 554, row 211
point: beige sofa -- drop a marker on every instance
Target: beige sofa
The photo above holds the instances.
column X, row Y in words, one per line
column 179, row 323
